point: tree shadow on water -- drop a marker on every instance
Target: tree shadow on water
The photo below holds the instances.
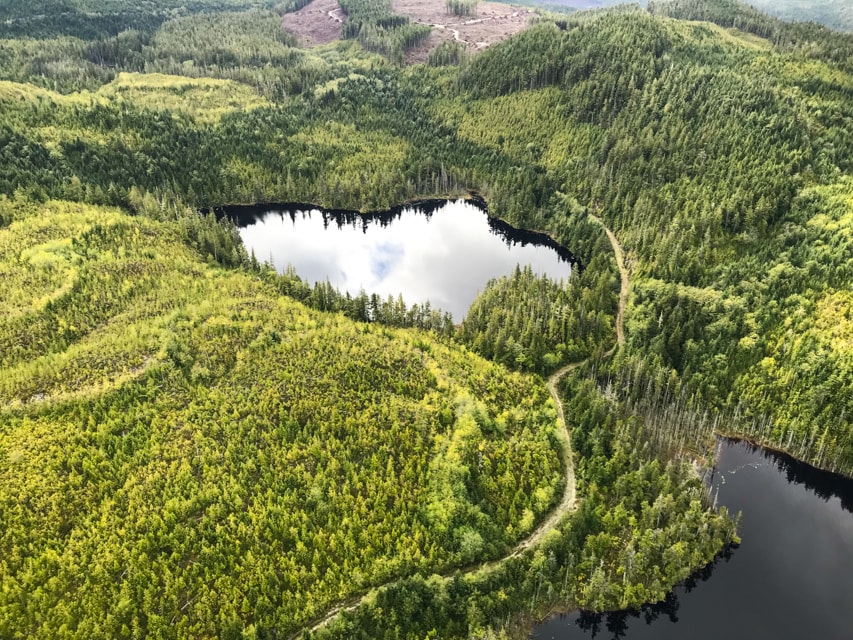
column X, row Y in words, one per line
column 614, row 624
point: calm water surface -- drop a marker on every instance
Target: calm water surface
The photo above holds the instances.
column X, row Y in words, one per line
column 792, row 578
column 443, row 252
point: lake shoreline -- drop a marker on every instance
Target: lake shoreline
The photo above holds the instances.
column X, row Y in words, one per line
column 427, row 204
column 795, row 523
column 759, row 444
column 440, row 251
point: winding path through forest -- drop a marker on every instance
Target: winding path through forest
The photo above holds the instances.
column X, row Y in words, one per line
column 568, row 501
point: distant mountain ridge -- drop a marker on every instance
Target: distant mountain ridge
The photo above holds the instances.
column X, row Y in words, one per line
column 836, row 14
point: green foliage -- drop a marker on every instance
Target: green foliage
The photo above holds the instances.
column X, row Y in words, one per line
column 60, row 64
column 531, row 60
column 806, row 38
column 248, row 47
column 702, row 149
column 642, row 525
column 699, row 167
column 644, row 517
column 837, row 14
column 289, row 6
column 218, row 456
column 461, row 7
column 531, row 323
column 95, row 19
column 364, row 307
column 449, row 52
column 378, row 29
column 204, row 99
column 167, row 423
column 695, row 147
column 225, row 40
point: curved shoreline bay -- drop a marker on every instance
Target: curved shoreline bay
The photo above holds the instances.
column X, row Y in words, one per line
column 792, row 576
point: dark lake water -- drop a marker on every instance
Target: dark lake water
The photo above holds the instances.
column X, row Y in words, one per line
column 791, row 578
column 441, row 252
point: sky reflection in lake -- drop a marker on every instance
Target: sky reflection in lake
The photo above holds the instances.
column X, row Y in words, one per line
column 445, row 257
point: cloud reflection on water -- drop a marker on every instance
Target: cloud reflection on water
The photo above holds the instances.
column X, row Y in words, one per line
column 445, row 258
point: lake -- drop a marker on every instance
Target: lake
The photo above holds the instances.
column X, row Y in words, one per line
column 443, row 252
column 791, row 578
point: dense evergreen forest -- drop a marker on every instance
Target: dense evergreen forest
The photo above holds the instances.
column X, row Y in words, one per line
column 192, row 445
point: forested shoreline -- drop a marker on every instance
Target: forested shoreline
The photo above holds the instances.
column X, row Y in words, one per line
column 163, row 421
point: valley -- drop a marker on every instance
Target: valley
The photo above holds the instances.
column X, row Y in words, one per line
column 200, row 441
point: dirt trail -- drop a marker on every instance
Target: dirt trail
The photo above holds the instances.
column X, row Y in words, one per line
column 318, row 22
column 321, row 21
column 567, row 504
column 623, row 291
column 455, row 32
column 568, row 501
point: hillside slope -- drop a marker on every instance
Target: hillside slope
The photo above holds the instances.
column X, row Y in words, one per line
column 181, row 447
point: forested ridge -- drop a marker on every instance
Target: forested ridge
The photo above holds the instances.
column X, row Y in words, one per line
column 194, row 446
